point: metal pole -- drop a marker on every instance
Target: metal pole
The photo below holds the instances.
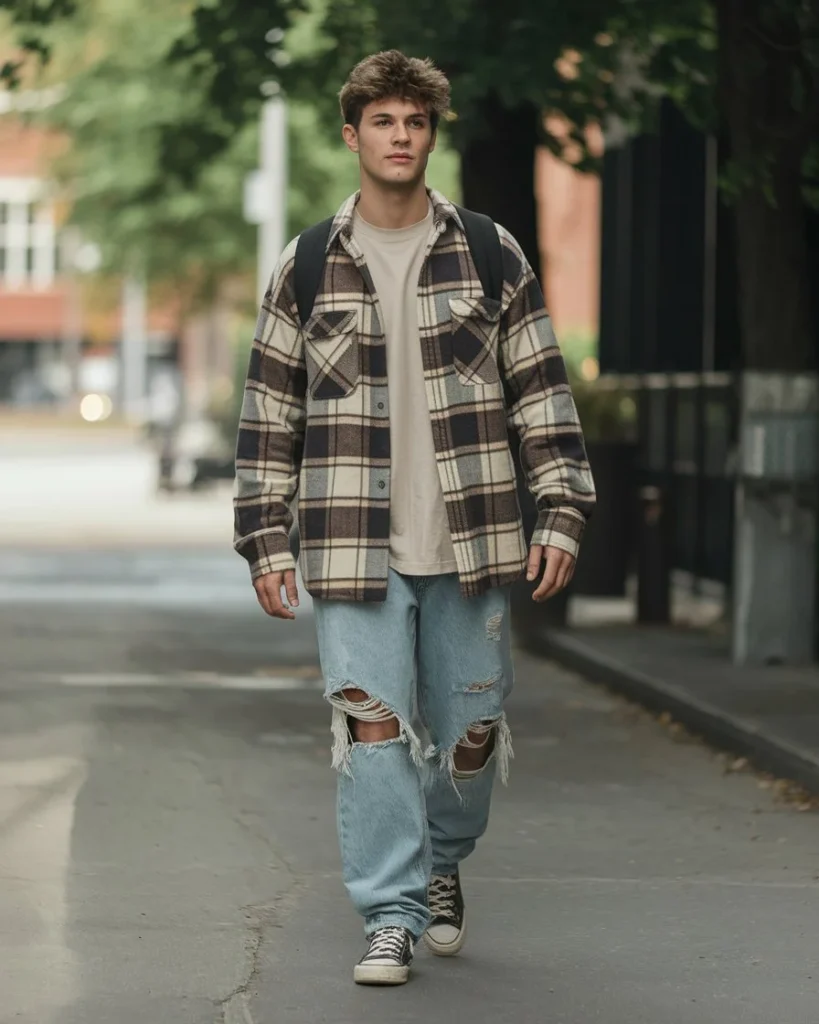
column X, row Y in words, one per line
column 711, row 216
column 273, row 167
column 653, row 569
column 134, row 347
column 73, row 316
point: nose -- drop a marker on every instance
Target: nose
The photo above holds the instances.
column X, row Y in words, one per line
column 401, row 134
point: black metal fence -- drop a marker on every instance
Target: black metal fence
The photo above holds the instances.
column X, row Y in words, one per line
column 688, row 433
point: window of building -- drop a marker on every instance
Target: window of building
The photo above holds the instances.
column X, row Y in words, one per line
column 27, row 237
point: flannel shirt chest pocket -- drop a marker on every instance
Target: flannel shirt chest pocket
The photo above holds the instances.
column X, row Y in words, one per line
column 475, row 329
column 331, row 353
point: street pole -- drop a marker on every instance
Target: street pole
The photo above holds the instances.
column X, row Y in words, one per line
column 73, row 316
column 134, row 352
column 272, row 187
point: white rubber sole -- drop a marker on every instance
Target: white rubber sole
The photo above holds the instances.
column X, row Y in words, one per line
column 447, row 948
column 380, row 974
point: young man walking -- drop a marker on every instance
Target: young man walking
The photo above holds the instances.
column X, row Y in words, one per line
column 385, row 405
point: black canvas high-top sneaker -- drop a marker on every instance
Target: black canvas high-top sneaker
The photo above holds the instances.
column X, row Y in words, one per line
column 388, row 959
column 447, row 930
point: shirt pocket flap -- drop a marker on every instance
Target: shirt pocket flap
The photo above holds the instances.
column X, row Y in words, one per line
column 482, row 307
column 330, row 324
column 475, row 328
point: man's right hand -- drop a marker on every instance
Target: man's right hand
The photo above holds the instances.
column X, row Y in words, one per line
column 269, row 592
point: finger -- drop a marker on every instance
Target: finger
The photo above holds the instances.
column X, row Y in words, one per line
column 274, row 596
column 535, row 561
column 565, row 570
column 564, row 577
column 268, row 591
column 563, row 573
column 263, row 599
column 546, row 587
column 560, row 560
column 291, row 589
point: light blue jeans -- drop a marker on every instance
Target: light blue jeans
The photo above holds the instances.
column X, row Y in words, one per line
column 442, row 665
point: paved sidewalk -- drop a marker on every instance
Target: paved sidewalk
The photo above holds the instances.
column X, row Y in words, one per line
column 770, row 715
column 97, row 490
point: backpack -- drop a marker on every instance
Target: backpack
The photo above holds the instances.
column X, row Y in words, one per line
column 487, row 255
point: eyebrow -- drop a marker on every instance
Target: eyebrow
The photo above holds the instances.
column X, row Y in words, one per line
column 374, row 117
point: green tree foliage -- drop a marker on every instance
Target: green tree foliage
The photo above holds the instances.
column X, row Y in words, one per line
column 155, row 168
column 227, row 56
column 119, row 104
column 505, row 49
column 29, row 18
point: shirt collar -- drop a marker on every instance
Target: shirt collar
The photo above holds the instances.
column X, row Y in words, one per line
column 442, row 211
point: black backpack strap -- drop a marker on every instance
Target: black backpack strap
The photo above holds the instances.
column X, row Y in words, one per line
column 311, row 250
column 485, row 247
column 308, row 267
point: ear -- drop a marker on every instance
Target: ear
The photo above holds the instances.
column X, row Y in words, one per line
column 433, row 140
column 350, row 136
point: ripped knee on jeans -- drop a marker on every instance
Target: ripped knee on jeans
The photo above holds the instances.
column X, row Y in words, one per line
column 474, row 750
column 368, row 720
column 359, row 718
column 483, row 740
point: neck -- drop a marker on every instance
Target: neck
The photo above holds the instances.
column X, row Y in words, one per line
column 392, row 207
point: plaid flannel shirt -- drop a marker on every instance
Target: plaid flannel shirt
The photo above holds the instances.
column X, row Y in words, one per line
column 316, row 419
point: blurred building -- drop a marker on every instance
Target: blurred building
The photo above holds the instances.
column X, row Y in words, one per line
column 569, row 233
column 60, row 329
column 33, row 298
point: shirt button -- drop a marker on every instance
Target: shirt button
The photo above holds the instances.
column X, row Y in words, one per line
column 380, row 405
column 381, row 485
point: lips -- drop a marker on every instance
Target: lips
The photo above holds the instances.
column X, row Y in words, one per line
column 400, row 159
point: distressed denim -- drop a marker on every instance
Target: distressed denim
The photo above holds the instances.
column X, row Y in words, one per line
column 441, row 664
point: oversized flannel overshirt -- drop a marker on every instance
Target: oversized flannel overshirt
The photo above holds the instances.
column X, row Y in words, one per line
column 315, row 419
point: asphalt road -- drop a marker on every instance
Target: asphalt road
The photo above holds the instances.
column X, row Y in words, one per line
column 168, row 853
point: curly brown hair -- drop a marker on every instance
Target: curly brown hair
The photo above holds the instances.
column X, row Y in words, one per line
column 391, row 74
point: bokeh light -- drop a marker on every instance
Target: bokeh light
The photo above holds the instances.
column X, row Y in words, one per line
column 95, row 408
column 590, row 368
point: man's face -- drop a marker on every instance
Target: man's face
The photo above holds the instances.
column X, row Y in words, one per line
column 393, row 142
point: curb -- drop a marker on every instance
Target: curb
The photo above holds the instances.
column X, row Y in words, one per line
column 732, row 733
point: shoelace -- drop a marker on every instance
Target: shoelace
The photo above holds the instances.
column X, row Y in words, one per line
column 387, row 942
column 442, row 896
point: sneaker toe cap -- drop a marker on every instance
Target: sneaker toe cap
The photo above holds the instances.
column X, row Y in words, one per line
column 443, row 933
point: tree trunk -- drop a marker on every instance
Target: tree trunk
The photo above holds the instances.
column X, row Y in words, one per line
column 498, row 172
column 775, row 303
column 756, row 76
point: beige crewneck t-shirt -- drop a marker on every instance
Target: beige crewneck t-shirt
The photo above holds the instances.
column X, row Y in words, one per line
column 420, row 541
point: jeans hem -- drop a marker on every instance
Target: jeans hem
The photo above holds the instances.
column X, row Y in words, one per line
column 396, row 921
column 447, row 869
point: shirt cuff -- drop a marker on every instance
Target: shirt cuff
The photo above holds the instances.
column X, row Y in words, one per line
column 560, row 528
column 267, row 552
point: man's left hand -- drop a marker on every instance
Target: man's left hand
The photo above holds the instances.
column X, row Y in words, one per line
column 557, row 574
